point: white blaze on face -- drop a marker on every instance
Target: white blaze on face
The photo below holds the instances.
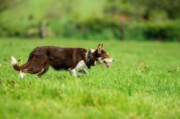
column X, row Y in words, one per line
column 105, row 61
column 109, row 60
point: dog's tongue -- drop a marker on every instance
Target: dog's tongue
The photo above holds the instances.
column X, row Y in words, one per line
column 106, row 64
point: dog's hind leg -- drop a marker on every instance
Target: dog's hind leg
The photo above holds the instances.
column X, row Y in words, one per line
column 43, row 72
column 33, row 67
column 24, row 70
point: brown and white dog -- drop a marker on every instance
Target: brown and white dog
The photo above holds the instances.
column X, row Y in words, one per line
column 73, row 59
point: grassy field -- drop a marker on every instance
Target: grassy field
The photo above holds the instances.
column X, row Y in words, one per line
column 143, row 83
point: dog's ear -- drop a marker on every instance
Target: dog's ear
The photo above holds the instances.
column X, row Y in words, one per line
column 102, row 45
column 99, row 48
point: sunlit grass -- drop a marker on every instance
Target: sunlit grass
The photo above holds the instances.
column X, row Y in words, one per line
column 143, row 82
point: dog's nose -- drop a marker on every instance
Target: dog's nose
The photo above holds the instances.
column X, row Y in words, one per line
column 113, row 60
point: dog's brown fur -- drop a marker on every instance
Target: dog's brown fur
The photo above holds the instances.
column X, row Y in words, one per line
column 59, row 58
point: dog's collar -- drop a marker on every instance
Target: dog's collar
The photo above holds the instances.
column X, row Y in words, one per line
column 89, row 59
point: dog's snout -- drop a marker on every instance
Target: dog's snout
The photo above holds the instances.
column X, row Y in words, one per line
column 109, row 60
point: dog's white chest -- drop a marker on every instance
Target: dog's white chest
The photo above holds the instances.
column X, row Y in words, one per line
column 81, row 65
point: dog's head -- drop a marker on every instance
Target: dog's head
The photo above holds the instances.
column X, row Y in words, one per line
column 102, row 56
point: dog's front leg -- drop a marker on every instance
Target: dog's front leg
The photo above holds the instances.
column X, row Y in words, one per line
column 73, row 72
column 84, row 71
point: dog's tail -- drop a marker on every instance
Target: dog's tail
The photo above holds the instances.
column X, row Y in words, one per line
column 14, row 63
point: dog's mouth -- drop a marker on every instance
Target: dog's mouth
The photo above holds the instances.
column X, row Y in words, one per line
column 105, row 64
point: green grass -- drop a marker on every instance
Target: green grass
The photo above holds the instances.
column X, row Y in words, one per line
column 143, row 82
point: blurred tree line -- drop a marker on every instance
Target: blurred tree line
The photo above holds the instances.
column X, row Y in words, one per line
column 6, row 4
column 108, row 19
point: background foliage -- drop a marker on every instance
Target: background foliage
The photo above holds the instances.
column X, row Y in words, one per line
column 102, row 19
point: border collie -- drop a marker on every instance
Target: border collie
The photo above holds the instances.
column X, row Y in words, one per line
column 72, row 59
